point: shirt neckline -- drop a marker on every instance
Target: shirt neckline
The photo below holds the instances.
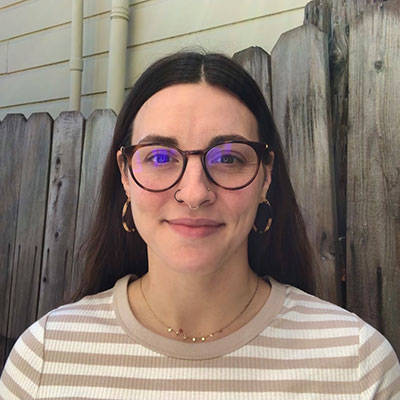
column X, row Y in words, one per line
column 195, row 351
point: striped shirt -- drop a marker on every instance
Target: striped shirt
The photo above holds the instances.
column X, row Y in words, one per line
column 296, row 347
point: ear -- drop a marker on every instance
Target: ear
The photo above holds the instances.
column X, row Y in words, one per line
column 123, row 169
column 267, row 176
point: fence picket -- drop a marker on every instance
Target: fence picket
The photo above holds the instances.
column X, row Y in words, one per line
column 257, row 63
column 99, row 132
column 33, row 156
column 11, row 149
column 373, row 190
column 301, row 110
column 61, row 213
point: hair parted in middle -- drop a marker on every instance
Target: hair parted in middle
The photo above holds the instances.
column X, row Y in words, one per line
column 284, row 253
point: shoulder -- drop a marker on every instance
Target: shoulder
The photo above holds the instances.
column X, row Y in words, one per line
column 94, row 306
column 82, row 321
column 72, row 326
column 337, row 334
column 22, row 372
column 303, row 310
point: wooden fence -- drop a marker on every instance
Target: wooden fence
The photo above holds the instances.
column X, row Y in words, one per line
column 333, row 88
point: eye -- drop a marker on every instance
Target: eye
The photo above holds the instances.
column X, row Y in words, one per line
column 222, row 157
column 161, row 156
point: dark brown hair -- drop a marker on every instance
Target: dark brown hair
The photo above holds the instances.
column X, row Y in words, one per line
column 284, row 253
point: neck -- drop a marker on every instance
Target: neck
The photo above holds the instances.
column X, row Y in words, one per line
column 199, row 305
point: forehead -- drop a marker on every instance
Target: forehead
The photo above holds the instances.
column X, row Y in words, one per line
column 193, row 114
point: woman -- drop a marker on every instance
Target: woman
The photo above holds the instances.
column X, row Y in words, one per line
column 181, row 297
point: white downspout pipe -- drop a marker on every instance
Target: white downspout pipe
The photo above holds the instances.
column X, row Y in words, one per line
column 117, row 54
column 76, row 62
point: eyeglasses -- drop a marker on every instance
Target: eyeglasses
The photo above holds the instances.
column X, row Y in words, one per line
column 231, row 165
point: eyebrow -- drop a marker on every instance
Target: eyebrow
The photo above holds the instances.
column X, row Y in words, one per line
column 224, row 138
column 167, row 140
column 172, row 141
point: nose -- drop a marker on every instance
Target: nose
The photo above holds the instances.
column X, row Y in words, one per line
column 195, row 188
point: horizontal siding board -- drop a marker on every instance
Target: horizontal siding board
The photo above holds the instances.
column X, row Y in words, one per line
column 27, row 86
column 90, row 7
column 57, row 42
column 9, row 3
column 94, row 78
column 192, row 16
column 148, row 19
column 96, row 35
column 93, row 102
column 93, row 7
column 54, row 108
column 3, row 58
column 35, row 85
column 48, row 13
column 263, row 32
column 53, row 45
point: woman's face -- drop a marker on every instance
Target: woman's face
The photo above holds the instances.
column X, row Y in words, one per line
column 215, row 235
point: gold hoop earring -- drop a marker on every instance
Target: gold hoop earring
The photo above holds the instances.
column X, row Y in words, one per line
column 124, row 211
column 265, row 213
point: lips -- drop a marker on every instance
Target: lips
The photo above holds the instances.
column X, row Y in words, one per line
column 191, row 227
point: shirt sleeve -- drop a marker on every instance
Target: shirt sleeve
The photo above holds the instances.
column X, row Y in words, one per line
column 21, row 375
column 379, row 369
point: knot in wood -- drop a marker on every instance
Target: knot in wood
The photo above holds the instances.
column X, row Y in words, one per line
column 379, row 65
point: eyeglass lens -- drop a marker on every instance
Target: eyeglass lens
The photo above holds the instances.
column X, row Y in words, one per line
column 230, row 165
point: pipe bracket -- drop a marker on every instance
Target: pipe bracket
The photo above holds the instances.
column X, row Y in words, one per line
column 76, row 64
column 120, row 13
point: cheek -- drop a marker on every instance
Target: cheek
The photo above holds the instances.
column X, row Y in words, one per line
column 144, row 202
column 243, row 206
column 146, row 208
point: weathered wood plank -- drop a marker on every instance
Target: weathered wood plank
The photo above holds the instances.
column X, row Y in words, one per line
column 12, row 150
column 34, row 159
column 98, row 136
column 318, row 13
column 61, row 212
column 333, row 18
column 300, row 95
column 257, row 62
column 373, row 190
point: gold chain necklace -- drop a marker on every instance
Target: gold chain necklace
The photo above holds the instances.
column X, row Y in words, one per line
column 179, row 332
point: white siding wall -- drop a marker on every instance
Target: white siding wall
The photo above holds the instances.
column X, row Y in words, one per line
column 35, row 42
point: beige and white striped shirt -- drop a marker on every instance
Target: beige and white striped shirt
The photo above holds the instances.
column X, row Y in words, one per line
column 296, row 347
